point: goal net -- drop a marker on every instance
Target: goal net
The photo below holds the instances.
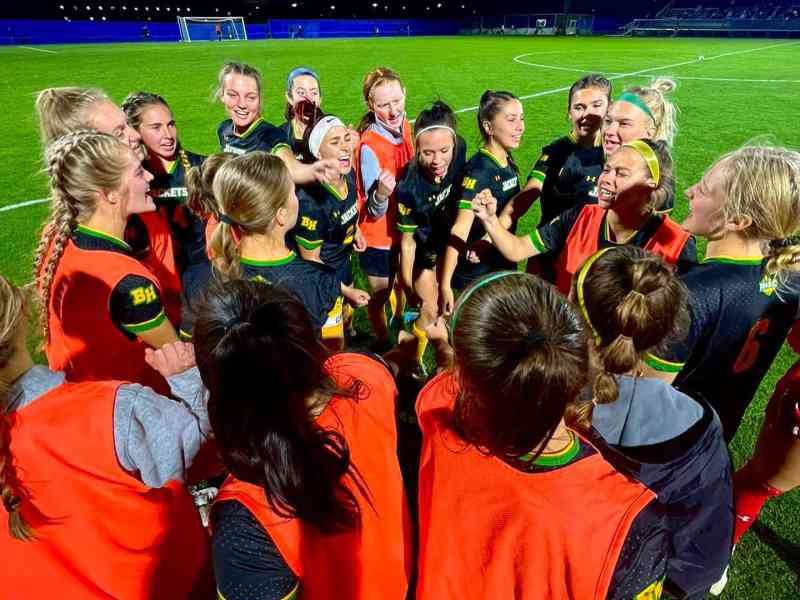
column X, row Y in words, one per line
column 208, row 29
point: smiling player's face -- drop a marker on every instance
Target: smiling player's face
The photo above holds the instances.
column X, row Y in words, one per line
column 242, row 100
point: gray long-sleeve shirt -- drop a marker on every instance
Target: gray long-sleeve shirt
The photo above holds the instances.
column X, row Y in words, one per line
column 370, row 169
column 156, row 438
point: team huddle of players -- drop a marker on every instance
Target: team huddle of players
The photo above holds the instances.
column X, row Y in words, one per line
column 573, row 441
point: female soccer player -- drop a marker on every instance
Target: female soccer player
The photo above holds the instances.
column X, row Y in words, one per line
column 101, row 305
column 90, row 476
column 246, row 130
column 315, row 500
column 327, row 229
column 258, row 207
column 424, row 197
column 513, row 503
column 560, row 186
column 64, row 110
column 633, row 301
column 383, row 151
column 302, row 89
column 501, row 123
column 639, row 113
column 747, row 206
column 633, row 180
column 150, row 115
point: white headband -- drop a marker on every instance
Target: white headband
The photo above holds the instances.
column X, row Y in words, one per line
column 323, row 126
column 429, row 127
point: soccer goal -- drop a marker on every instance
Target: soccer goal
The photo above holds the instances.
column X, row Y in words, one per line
column 211, row 29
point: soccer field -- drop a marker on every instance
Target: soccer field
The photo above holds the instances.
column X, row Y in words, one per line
column 740, row 90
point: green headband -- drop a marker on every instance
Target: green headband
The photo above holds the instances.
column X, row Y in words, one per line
column 475, row 287
column 644, row 150
column 579, row 291
column 634, row 99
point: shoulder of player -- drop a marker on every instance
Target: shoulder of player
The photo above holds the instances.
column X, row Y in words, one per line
column 194, row 159
column 562, row 146
column 225, row 127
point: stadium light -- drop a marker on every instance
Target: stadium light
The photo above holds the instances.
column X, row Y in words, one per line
column 374, row 5
column 439, row 5
column 103, row 18
column 135, row 9
column 178, row 8
column 158, row 9
column 333, row 7
column 294, row 4
column 91, row 18
column 66, row 18
column 188, row 9
column 147, row 8
column 168, row 9
column 88, row 7
column 61, row 6
column 124, row 8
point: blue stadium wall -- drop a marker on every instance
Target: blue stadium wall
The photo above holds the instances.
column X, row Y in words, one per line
column 29, row 31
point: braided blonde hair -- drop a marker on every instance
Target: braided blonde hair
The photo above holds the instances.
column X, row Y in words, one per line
column 65, row 109
column 633, row 301
column 81, row 165
column 763, row 183
column 12, row 315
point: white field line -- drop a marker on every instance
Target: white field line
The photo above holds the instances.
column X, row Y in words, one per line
column 23, row 204
column 526, row 97
column 39, row 49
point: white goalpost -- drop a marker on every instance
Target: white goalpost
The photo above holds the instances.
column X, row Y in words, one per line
column 212, row 29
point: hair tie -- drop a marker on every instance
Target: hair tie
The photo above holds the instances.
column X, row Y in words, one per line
column 223, row 218
column 429, row 127
column 784, row 242
column 635, row 293
column 323, row 126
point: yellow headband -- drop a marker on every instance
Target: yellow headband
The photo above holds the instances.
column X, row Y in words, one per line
column 579, row 291
column 646, row 152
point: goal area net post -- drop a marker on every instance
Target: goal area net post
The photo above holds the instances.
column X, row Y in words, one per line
column 211, row 29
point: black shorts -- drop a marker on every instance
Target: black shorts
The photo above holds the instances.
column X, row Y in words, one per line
column 379, row 262
column 425, row 259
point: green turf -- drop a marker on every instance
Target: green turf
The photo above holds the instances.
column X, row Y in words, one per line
column 719, row 111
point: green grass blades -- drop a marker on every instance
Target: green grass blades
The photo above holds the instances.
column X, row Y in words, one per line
column 743, row 90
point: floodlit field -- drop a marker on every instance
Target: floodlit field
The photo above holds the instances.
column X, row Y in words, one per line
column 741, row 90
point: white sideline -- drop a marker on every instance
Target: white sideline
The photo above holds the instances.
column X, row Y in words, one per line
column 528, row 96
column 39, row 49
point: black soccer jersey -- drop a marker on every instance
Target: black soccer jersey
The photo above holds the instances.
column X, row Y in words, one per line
column 551, row 237
column 301, row 153
column 168, row 190
column 560, row 182
column 259, row 136
column 315, row 285
column 424, row 207
column 739, row 323
column 484, row 171
column 327, row 221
